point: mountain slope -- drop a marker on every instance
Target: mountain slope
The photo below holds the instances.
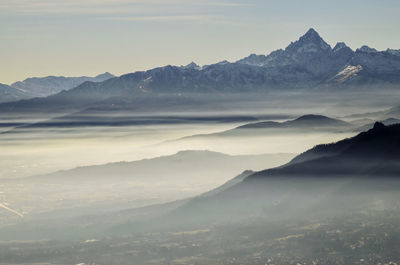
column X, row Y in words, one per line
column 378, row 144
column 318, row 182
column 8, row 93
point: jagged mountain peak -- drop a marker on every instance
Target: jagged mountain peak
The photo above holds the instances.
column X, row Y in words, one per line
column 308, row 63
column 192, row 65
column 311, row 34
column 309, row 45
column 367, row 49
column 309, row 42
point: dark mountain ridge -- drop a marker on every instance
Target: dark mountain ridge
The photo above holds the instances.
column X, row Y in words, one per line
column 318, row 181
column 381, row 143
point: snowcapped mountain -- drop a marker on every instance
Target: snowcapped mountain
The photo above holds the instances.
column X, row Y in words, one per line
column 311, row 55
column 309, row 49
column 306, row 64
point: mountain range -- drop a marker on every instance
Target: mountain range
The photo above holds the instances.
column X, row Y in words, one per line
column 311, row 58
column 306, row 64
column 44, row 86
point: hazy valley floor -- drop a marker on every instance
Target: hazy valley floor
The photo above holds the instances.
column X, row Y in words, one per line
column 70, row 195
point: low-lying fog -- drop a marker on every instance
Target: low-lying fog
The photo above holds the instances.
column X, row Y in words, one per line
column 37, row 150
column 33, row 151
column 63, row 179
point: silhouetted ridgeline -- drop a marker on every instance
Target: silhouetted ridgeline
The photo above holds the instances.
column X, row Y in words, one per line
column 316, row 182
column 376, row 151
column 308, row 121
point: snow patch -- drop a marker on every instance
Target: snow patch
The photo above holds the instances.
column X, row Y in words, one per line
column 348, row 72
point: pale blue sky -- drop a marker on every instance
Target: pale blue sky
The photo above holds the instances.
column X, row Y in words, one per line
column 88, row 37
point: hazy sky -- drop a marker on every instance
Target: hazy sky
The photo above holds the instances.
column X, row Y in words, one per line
column 88, row 37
